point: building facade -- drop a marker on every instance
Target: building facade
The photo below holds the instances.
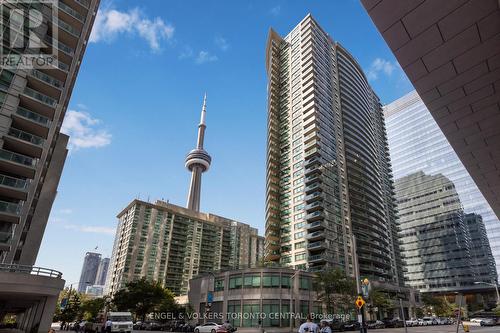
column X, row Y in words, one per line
column 102, row 272
column 172, row 244
column 247, row 296
column 91, row 263
column 417, row 144
column 328, row 171
column 33, row 102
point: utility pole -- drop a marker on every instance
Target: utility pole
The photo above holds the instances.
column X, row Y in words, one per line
column 459, row 316
column 403, row 314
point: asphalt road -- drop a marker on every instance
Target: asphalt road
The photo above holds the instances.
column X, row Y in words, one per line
column 439, row 329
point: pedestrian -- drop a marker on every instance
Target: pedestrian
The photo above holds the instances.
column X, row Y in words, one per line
column 109, row 323
column 325, row 328
column 309, row 326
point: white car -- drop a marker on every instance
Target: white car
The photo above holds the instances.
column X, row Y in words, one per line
column 476, row 320
column 207, row 328
column 412, row 322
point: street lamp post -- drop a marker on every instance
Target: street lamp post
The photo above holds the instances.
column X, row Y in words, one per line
column 496, row 289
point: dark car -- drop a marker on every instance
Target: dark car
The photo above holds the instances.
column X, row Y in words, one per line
column 488, row 322
column 375, row 324
column 392, row 322
column 335, row 324
column 351, row 325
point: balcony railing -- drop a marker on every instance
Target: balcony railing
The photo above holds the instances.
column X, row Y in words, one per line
column 13, row 182
column 68, row 28
column 84, row 3
column 40, row 97
column 5, row 237
column 17, row 158
column 33, row 116
column 68, row 10
column 25, row 136
column 10, row 207
column 61, row 46
column 46, row 78
column 33, row 270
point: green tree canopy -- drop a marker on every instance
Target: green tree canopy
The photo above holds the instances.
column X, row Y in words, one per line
column 143, row 297
column 334, row 288
column 92, row 307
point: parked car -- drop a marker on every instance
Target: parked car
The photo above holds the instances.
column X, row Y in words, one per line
column 476, row 320
column 207, row 328
column 488, row 322
column 351, row 325
column 375, row 324
column 393, row 322
column 335, row 324
column 430, row 320
column 412, row 322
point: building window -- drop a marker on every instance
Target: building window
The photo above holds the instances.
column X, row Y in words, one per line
column 300, row 245
column 285, row 281
column 219, row 285
column 300, row 256
column 251, row 281
column 270, row 313
column 271, row 281
column 235, row 282
column 305, row 283
column 250, row 314
column 233, row 313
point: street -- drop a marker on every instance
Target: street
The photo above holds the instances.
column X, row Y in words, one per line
column 439, row 329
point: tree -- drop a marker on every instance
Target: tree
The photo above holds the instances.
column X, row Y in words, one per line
column 92, row 307
column 438, row 306
column 142, row 297
column 380, row 300
column 334, row 288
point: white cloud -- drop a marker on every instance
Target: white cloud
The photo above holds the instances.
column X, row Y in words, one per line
column 379, row 66
column 65, row 211
column 109, row 23
column 81, row 128
column 205, row 56
column 222, row 43
column 275, row 11
column 90, row 229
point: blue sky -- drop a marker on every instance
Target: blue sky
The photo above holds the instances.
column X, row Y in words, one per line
column 136, row 104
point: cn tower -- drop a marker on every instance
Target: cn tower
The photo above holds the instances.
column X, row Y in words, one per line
column 197, row 162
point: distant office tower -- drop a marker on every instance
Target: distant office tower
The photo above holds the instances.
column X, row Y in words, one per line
column 435, row 239
column 328, row 170
column 90, row 266
column 172, row 244
column 483, row 262
column 33, row 103
column 416, row 143
column 102, row 272
column 95, row 290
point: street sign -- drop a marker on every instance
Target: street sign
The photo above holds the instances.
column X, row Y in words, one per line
column 365, row 287
column 210, row 297
column 359, row 302
column 64, row 302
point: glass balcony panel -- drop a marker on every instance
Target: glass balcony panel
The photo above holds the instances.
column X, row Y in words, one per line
column 47, row 78
column 40, row 97
column 13, row 182
column 25, row 136
column 33, row 116
column 67, row 9
column 10, row 207
column 17, row 158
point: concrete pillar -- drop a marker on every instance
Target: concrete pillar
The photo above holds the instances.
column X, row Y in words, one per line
column 47, row 314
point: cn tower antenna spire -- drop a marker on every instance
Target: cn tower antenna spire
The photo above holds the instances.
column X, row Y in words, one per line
column 197, row 162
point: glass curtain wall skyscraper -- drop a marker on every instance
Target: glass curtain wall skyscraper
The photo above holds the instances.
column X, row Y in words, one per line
column 328, row 172
column 417, row 144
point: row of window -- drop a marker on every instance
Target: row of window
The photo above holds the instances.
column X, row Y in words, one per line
column 265, row 281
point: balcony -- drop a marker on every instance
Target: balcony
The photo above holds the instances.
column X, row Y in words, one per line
column 46, row 100
column 315, row 216
column 316, row 246
column 12, row 187
column 5, row 237
column 317, row 205
column 41, row 81
column 34, row 100
column 313, row 187
column 316, row 258
column 317, row 235
column 313, row 197
column 317, row 225
column 71, row 15
column 24, row 142
column 31, row 121
column 9, row 211
column 17, row 164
